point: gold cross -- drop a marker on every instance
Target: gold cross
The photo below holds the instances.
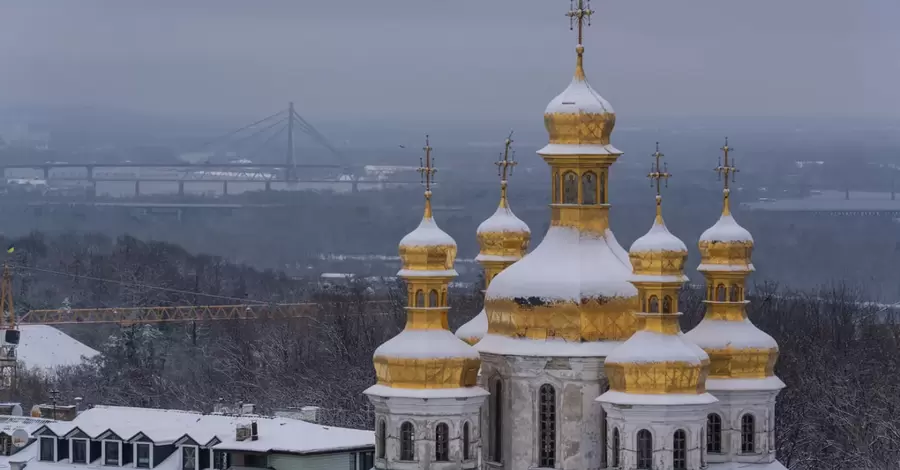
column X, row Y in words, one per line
column 726, row 168
column 579, row 13
column 507, row 161
column 426, row 168
column 657, row 173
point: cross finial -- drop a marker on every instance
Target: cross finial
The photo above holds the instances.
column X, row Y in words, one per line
column 726, row 171
column 579, row 13
column 426, row 167
column 505, row 165
column 657, row 175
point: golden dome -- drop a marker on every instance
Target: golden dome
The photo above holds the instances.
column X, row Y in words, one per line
column 658, row 252
column 652, row 363
column 579, row 115
column 726, row 245
column 503, row 237
column 427, row 249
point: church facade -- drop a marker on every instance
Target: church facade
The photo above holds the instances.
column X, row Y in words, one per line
column 577, row 360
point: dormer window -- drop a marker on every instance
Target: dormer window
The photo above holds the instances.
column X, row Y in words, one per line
column 48, row 449
column 79, row 450
column 188, row 458
column 142, row 453
column 112, row 453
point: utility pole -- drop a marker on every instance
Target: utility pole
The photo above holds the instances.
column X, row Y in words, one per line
column 290, row 170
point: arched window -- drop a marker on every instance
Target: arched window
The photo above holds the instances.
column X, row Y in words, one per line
column 735, row 294
column 497, row 421
column 548, row 426
column 748, row 434
column 443, row 297
column 709, row 292
column 654, row 304
column 442, row 443
column 556, row 186
column 667, row 304
column 720, row 293
column 589, row 188
column 433, row 298
column 644, row 450
column 420, row 299
column 407, row 441
column 602, row 188
column 570, row 188
column 465, row 442
column 714, row 434
column 679, row 450
column 615, row 448
column 382, row 439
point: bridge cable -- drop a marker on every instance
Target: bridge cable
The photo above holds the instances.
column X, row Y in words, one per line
column 223, row 137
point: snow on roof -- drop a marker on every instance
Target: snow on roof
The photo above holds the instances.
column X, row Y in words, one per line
column 167, row 426
column 650, row 346
column 553, row 347
column 726, row 267
column 567, row 265
column 9, row 424
column 578, row 149
column 620, row 398
column 724, row 385
column 503, row 220
column 427, row 234
column 579, row 97
column 720, row 334
column 46, row 348
column 658, row 238
column 426, row 393
column 726, row 229
column 427, row 273
column 475, row 328
column 29, row 454
column 500, row 258
column 426, row 344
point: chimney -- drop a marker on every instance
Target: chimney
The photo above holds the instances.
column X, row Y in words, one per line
column 248, row 408
column 254, row 431
column 310, row 414
column 242, row 432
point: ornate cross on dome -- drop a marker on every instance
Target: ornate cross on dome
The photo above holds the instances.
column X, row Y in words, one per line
column 507, row 161
column 580, row 13
column 657, row 173
column 426, row 168
column 726, row 168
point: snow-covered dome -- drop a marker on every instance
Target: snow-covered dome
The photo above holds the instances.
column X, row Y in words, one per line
column 737, row 349
column 659, row 253
column 726, row 246
column 473, row 330
column 427, row 250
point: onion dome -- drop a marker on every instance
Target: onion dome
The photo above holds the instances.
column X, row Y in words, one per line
column 737, row 348
column 658, row 254
column 426, row 354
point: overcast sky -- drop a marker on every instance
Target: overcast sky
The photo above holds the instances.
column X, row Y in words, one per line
column 490, row 59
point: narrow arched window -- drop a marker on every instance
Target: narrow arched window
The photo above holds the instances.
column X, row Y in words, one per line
column 442, row 443
column 748, row 434
column 667, row 304
column 714, row 434
column 589, row 188
column 615, row 448
column 443, row 298
column 465, row 442
column 644, row 450
column 720, row 293
column 556, row 186
column 433, row 298
column 548, row 426
column 654, row 304
column 420, row 299
column 735, row 294
column 497, row 422
column 679, row 450
column 709, row 292
column 570, row 188
column 407, row 441
column 382, row 439
column 602, row 188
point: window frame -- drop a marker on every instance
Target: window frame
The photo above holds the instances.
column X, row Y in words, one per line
column 467, row 436
column 714, row 434
column 547, row 440
column 442, row 442
column 616, row 444
column 137, row 455
column 196, row 455
column 679, row 450
column 407, row 442
column 748, row 437
column 220, row 456
column 496, row 417
column 53, row 450
column 87, row 450
column 381, row 442
column 105, row 454
column 644, row 462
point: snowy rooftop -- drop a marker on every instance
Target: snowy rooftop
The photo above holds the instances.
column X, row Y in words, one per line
column 568, row 265
column 579, row 97
column 427, row 234
column 620, row 398
column 579, row 149
column 658, row 238
column 719, row 334
column 503, row 220
column 9, row 424
column 46, row 348
column 554, row 347
column 168, row 426
column 475, row 328
column 649, row 346
column 726, row 229
column 426, row 344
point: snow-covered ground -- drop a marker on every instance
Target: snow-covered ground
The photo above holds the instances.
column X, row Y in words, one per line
column 45, row 347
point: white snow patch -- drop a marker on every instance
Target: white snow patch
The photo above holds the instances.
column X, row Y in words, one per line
column 658, row 238
column 621, row 398
column 46, row 348
column 768, row 383
column 719, row 334
column 567, row 265
column 503, row 220
column 390, row 392
column 426, row 344
column 579, row 149
column 475, row 328
column 650, row 346
column 726, row 267
column 427, row 273
column 579, row 97
column 726, row 229
column 553, row 347
column 427, row 234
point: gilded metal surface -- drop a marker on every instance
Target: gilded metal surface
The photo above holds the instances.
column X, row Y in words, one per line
column 426, row 318
column 492, row 269
column 666, row 324
column 588, row 219
column 472, row 341
column 728, row 311
column 426, row 373
column 658, row 263
column 594, row 319
column 734, row 363
column 726, row 253
column 504, row 243
column 655, row 378
column 580, row 128
column 428, row 258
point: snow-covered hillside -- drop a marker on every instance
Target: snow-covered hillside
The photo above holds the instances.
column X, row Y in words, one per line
column 45, row 347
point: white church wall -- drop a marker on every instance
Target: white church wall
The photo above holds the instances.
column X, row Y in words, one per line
column 732, row 406
column 662, row 422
